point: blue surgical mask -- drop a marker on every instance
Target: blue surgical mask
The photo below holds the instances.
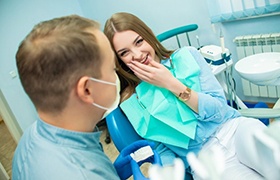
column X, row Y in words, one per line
column 117, row 100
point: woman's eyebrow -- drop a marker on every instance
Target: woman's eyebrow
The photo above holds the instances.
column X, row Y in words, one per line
column 135, row 40
column 119, row 51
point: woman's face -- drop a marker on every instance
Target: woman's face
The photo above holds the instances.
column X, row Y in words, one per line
column 130, row 46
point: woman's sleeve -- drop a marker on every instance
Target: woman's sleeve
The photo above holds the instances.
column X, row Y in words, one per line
column 166, row 155
column 212, row 104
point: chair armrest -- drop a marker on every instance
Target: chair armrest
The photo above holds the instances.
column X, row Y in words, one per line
column 260, row 113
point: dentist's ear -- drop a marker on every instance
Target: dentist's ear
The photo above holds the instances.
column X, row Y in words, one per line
column 84, row 90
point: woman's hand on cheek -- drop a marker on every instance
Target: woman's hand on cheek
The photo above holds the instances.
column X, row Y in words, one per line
column 154, row 73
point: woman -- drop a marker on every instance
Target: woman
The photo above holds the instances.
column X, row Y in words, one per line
column 159, row 85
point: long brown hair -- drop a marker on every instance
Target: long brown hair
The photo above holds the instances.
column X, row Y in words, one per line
column 120, row 22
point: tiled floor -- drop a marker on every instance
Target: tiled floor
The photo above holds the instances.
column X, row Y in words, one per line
column 109, row 149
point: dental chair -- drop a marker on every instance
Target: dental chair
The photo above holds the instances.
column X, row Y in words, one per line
column 121, row 131
column 117, row 120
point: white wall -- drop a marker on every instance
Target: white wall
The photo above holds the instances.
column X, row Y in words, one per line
column 160, row 15
column 17, row 17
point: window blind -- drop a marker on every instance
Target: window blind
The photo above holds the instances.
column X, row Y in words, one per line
column 229, row 10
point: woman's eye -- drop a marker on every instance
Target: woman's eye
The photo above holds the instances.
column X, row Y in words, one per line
column 139, row 41
column 123, row 53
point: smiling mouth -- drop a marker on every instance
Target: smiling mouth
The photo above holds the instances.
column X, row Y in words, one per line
column 145, row 60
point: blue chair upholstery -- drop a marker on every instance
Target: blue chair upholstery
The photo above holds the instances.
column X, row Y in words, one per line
column 121, row 131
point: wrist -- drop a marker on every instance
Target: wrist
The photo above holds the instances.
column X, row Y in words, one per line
column 176, row 87
column 185, row 95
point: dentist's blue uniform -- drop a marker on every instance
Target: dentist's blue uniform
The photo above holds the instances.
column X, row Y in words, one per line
column 56, row 154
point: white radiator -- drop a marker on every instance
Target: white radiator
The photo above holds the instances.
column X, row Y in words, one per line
column 253, row 44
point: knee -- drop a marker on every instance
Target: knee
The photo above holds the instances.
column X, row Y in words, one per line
column 244, row 137
column 247, row 127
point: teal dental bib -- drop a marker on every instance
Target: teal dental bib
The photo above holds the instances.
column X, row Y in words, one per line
column 157, row 114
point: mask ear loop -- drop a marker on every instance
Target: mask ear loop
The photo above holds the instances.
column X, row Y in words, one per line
column 101, row 107
column 101, row 81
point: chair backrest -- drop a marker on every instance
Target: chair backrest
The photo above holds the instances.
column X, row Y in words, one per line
column 120, row 129
column 176, row 32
